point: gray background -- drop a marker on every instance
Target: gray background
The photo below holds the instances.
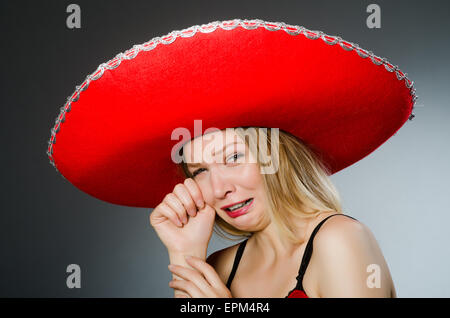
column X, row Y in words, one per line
column 400, row 191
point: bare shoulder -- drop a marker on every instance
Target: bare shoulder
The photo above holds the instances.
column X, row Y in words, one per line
column 344, row 250
column 222, row 261
column 341, row 229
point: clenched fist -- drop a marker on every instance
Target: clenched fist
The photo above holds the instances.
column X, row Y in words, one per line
column 183, row 220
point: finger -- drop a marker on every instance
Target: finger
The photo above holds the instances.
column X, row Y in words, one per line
column 159, row 214
column 172, row 201
column 192, row 276
column 183, row 195
column 207, row 271
column 195, row 192
column 152, row 217
column 170, row 214
column 188, row 287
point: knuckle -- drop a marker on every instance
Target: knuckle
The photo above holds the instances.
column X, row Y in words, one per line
column 171, row 196
column 173, row 200
column 184, row 197
column 167, row 211
column 150, row 217
column 190, row 184
column 162, row 208
column 167, row 197
column 155, row 212
column 178, row 187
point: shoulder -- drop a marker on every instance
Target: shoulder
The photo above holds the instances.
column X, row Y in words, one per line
column 342, row 229
column 344, row 249
column 342, row 241
column 222, row 261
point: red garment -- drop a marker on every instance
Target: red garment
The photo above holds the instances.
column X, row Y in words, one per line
column 297, row 294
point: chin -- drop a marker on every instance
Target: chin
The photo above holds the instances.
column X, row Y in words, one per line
column 248, row 223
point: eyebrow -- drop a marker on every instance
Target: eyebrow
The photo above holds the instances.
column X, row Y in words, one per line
column 194, row 165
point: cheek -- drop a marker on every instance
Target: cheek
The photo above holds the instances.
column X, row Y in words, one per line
column 250, row 176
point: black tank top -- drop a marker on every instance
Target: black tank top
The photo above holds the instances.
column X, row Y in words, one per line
column 298, row 291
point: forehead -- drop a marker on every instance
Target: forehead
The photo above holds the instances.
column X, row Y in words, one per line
column 210, row 144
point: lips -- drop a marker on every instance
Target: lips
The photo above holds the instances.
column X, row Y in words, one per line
column 235, row 206
column 239, row 208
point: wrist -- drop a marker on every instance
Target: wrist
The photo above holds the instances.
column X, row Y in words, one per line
column 176, row 257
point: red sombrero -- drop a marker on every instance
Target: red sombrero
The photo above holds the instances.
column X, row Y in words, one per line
column 112, row 139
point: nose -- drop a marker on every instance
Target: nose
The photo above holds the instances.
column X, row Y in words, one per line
column 220, row 184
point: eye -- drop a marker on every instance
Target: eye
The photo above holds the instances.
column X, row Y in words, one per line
column 235, row 156
column 196, row 172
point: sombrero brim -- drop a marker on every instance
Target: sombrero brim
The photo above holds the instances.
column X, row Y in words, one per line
column 112, row 139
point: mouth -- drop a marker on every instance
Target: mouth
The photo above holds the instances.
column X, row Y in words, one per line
column 236, row 206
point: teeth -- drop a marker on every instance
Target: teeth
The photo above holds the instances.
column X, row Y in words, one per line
column 238, row 206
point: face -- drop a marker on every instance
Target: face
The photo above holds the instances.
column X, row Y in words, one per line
column 229, row 178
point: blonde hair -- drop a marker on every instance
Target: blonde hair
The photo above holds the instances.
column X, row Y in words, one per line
column 301, row 186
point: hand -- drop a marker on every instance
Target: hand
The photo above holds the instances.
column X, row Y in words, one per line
column 178, row 224
column 200, row 282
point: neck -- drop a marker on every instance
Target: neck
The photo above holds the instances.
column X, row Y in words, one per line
column 273, row 246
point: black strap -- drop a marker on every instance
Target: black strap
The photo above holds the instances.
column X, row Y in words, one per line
column 305, row 260
column 237, row 259
column 308, row 252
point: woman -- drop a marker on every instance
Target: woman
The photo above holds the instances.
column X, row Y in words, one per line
column 278, row 213
column 334, row 104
